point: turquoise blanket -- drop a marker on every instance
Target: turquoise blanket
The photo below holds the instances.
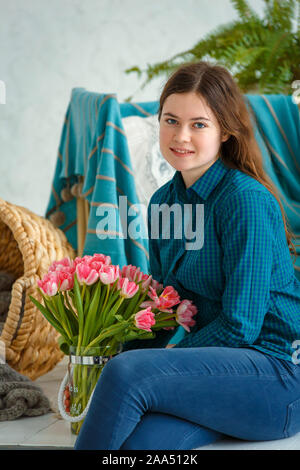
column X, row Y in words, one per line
column 277, row 131
column 93, row 147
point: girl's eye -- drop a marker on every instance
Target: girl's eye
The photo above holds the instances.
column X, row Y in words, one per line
column 200, row 123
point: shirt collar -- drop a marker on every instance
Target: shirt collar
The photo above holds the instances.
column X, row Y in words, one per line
column 205, row 184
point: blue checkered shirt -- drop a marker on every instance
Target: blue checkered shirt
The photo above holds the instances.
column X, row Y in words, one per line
column 241, row 278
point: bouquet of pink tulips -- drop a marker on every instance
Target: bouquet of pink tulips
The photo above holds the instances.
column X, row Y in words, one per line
column 89, row 301
column 93, row 303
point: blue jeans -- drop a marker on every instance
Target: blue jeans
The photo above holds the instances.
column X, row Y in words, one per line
column 188, row 397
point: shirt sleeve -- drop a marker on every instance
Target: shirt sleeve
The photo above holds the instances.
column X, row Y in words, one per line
column 162, row 336
column 248, row 224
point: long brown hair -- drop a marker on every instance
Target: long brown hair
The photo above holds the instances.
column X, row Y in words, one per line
column 241, row 151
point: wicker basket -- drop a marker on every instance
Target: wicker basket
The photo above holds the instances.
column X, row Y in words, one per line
column 28, row 245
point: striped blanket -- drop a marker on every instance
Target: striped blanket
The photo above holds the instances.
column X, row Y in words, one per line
column 93, row 148
column 277, row 131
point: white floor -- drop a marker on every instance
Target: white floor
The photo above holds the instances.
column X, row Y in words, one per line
column 50, row 431
column 45, row 431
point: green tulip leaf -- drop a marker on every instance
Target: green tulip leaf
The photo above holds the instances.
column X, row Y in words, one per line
column 63, row 345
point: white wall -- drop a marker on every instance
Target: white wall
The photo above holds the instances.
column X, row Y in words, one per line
column 49, row 47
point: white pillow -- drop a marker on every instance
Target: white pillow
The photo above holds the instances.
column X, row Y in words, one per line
column 150, row 168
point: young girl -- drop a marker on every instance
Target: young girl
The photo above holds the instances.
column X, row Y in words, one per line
column 235, row 373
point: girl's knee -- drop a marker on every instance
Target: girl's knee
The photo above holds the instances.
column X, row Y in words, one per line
column 121, row 366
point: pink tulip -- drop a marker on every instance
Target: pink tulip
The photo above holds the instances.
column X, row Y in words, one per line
column 128, row 288
column 86, row 274
column 78, row 261
column 146, row 282
column 96, row 261
column 101, row 258
column 126, row 271
column 49, row 284
column 65, row 280
column 168, row 298
column 132, row 273
column 156, row 285
column 148, row 303
column 151, row 303
column 108, row 274
column 152, row 294
column 85, row 259
column 136, row 275
column 64, row 264
column 97, row 265
column 184, row 313
column 144, row 319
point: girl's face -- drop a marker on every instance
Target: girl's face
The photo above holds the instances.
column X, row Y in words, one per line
column 188, row 123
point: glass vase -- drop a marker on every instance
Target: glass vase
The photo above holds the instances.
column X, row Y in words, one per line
column 84, row 369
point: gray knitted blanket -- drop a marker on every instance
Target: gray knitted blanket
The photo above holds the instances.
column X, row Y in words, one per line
column 19, row 396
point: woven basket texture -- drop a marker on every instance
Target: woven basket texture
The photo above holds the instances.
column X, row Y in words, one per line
column 28, row 245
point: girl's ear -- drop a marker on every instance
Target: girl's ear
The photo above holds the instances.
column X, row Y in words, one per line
column 225, row 137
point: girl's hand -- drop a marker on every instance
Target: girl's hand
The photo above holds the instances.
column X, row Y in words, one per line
column 170, row 345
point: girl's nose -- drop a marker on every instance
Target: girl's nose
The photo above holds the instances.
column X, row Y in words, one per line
column 182, row 135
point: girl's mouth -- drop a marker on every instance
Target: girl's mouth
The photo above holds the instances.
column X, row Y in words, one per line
column 182, row 153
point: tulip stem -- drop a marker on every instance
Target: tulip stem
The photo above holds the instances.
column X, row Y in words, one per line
column 107, row 307
column 65, row 294
column 83, row 292
column 106, row 297
column 105, row 334
column 110, row 316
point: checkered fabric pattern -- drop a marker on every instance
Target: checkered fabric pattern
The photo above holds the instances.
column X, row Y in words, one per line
column 242, row 278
